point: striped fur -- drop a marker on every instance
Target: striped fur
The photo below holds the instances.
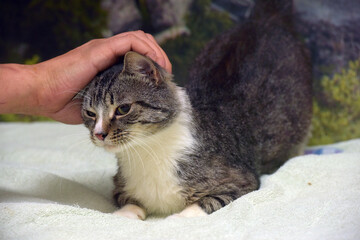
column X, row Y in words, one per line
column 246, row 110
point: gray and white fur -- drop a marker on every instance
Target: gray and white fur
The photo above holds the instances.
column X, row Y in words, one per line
column 191, row 151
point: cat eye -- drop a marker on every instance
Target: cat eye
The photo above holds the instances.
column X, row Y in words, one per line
column 122, row 110
column 90, row 114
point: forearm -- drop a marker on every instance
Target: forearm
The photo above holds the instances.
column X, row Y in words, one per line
column 18, row 88
column 43, row 88
column 48, row 88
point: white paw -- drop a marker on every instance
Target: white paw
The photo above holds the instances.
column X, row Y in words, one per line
column 131, row 211
column 193, row 210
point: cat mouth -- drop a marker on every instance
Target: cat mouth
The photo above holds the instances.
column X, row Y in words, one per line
column 110, row 147
column 116, row 142
column 114, row 147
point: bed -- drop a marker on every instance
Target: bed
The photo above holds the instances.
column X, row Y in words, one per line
column 55, row 184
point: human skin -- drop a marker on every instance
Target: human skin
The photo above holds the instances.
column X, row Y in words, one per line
column 48, row 88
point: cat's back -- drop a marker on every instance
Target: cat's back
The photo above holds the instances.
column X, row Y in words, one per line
column 253, row 84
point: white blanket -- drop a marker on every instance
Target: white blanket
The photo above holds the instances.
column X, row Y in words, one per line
column 54, row 184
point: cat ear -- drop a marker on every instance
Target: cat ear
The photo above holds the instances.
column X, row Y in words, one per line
column 135, row 63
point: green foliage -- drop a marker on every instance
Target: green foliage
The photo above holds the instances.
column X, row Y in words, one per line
column 204, row 24
column 35, row 59
column 21, row 118
column 40, row 29
column 338, row 117
column 47, row 27
column 146, row 19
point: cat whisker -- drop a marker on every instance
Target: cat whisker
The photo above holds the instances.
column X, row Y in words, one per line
column 145, row 146
column 78, row 94
column 76, row 136
column 125, row 147
column 140, row 158
column 117, row 136
column 77, row 144
column 74, row 91
column 74, row 103
column 130, row 159
column 152, row 140
column 128, row 154
column 81, row 97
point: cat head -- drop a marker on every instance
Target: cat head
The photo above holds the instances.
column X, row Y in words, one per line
column 129, row 101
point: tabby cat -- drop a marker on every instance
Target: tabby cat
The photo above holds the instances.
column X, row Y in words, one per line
column 191, row 151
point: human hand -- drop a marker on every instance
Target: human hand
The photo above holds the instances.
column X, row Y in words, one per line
column 53, row 84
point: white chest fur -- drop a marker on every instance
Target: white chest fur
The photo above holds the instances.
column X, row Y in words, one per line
column 150, row 167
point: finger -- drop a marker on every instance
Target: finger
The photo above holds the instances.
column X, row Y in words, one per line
column 136, row 41
column 159, row 54
column 160, row 57
column 164, row 58
column 102, row 53
column 144, row 44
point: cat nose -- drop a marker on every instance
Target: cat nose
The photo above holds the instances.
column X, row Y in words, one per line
column 101, row 136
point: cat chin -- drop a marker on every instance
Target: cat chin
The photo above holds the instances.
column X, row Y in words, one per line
column 115, row 148
column 112, row 148
column 109, row 147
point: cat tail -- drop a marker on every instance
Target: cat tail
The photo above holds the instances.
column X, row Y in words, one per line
column 265, row 9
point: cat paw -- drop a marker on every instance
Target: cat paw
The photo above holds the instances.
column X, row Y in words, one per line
column 131, row 211
column 193, row 210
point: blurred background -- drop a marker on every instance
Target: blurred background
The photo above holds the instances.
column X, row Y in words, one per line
column 36, row 30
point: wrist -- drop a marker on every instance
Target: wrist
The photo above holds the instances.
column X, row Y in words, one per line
column 19, row 86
